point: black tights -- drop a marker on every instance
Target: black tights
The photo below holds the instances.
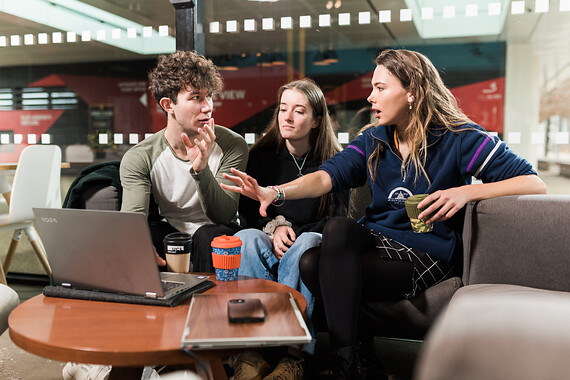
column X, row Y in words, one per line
column 347, row 270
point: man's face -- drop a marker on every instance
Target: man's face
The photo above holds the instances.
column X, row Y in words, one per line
column 193, row 109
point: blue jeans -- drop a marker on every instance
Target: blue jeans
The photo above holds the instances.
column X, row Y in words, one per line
column 258, row 260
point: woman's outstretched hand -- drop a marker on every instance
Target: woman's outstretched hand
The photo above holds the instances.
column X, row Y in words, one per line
column 247, row 185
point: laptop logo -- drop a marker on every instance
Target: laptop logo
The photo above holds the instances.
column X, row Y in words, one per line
column 49, row 220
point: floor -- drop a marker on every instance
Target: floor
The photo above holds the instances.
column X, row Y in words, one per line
column 399, row 356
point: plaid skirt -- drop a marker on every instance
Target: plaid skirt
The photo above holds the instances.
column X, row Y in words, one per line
column 427, row 270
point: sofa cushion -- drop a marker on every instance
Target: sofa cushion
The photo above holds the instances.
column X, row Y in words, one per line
column 518, row 240
column 499, row 332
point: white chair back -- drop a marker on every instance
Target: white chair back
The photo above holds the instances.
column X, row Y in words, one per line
column 36, row 182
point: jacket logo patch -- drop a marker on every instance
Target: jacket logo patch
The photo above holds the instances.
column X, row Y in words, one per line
column 398, row 196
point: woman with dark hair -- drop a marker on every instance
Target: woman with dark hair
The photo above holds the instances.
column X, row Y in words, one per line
column 421, row 143
column 297, row 141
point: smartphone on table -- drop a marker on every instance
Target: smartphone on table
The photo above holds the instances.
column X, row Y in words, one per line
column 245, row 310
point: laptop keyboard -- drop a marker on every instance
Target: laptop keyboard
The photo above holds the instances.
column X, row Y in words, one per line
column 168, row 285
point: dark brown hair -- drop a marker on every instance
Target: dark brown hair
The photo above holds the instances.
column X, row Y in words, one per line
column 181, row 69
column 322, row 139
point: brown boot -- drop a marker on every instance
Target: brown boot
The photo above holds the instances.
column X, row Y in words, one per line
column 249, row 365
column 287, row 369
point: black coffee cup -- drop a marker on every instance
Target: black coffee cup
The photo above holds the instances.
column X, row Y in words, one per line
column 178, row 247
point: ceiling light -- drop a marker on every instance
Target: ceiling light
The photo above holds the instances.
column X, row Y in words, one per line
column 344, row 19
column 337, row 4
column 385, row 16
column 405, row 15
column 304, row 21
column 29, row 39
column 267, row 24
column 15, row 40
column 118, row 138
column 101, row 35
column 32, row 139
column 232, row 26
column 71, row 36
column 77, row 16
column 564, row 5
column 133, row 138
column 163, row 30
column 329, row 4
column 471, row 10
column 541, row 6
column 364, row 18
column 56, row 37
column 427, row 13
column 286, row 22
column 147, row 32
column 494, row 9
column 449, row 11
column 324, row 20
column 249, row 25
column 42, row 38
column 517, row 7
column 116, row 34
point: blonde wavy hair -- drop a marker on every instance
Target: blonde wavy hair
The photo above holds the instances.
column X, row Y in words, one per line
column 434, row 107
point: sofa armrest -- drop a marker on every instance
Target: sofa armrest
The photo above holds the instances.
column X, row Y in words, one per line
column 518, row 240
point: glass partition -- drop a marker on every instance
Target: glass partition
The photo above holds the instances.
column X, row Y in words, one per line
column 74, row 73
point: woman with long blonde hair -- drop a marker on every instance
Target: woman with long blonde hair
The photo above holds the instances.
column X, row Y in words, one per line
column 421, row 143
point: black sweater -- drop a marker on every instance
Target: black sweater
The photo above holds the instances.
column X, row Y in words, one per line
column 271, row 167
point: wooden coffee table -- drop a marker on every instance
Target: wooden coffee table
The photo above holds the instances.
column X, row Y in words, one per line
column 126, row 336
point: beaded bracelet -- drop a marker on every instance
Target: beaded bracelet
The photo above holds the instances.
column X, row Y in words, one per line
column 280, row 196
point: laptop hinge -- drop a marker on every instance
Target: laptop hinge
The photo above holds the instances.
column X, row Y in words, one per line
column 150, row 295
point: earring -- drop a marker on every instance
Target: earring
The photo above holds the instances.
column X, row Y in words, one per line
column 410, row 105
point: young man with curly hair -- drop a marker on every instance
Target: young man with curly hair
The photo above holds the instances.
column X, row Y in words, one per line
column 181, row 166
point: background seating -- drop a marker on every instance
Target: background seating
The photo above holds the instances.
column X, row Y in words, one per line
column 36, row 184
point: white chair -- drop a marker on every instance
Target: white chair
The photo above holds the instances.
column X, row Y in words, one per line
column 36, row 184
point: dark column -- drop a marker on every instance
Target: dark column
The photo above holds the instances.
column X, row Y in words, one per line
column 185, row 24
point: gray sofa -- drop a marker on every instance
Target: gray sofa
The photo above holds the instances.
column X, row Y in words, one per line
column 511, row 319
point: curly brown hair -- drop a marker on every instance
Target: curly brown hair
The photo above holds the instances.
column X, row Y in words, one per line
column 181, row 69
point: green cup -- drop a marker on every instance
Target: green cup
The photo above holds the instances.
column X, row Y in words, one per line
column 418, row 225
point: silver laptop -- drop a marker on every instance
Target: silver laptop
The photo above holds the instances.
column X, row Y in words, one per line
column 108, row 251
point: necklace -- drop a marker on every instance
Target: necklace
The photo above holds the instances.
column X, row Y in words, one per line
column 297, row 164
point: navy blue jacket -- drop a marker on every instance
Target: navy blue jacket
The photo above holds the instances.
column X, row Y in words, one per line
column 453, row 159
